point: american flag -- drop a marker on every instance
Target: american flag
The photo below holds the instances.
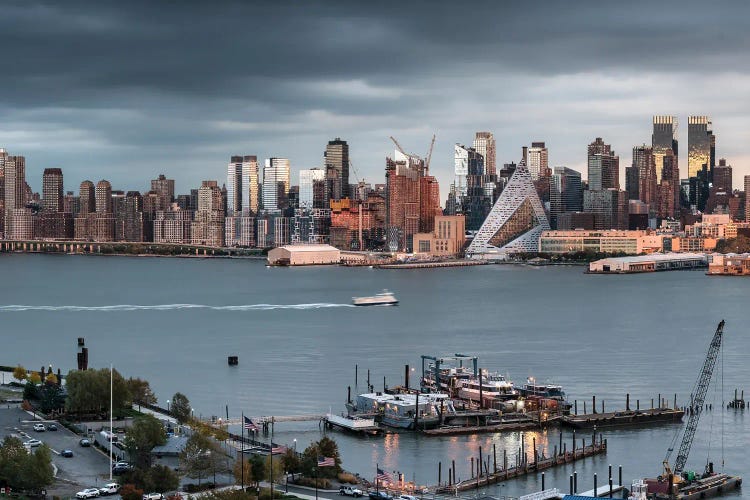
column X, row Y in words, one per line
column 383, row 476
column 250, row 425
column 326, row 462
column 275, row 449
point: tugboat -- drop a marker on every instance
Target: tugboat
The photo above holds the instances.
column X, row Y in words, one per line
column 385, row 298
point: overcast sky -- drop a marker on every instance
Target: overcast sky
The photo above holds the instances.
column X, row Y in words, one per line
column 128, row 90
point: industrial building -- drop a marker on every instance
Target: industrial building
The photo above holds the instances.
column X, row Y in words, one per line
column 649, row 263
column 304, row 255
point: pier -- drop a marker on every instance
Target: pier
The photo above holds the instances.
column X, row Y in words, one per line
column 484, row 477
column 429, row 265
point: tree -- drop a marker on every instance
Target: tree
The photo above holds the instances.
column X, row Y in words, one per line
column 25, row 471
column 145, row 433
column 51, row 398
column 197, row 457
column 181, row 407
column 130, row 492
column 51, row 378
column 239, row 474
column 19, row 373
column 35, row 378
column 88, row 391
column 326, row 447
column 141, row 392
column 257, row 469
column 290, row 461
column 161, row 478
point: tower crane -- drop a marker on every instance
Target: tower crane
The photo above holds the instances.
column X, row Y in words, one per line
column 697, row 404
column 398, row 146
column 429, row 155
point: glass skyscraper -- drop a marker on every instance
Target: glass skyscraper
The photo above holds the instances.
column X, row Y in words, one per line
column 663, row 138
column 701, row 145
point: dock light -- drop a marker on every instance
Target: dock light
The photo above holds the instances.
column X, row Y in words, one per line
column 167, row 406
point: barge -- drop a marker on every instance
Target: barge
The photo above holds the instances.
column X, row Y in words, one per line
column 624, row 418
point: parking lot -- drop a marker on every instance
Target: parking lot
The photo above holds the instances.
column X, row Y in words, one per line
column 87, row 468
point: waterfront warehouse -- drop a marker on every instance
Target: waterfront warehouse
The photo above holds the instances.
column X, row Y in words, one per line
column 304, row 255
column 649, row 263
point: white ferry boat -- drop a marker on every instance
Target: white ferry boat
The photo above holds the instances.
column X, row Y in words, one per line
column 385, row 298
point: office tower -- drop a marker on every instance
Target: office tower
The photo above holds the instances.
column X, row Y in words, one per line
column 164, row 189
column 336, row 158
column 474, row 190
column 538, row 160
column 701, row 145
column 603, row 166
column 643, row 162
column 15, row 182
column 515, row 222
column 52, row 190
column 722, row 178
column 631, row 182
column 103, row 197
column 250, row 184
column 234, row 185
column 747, row 198
column 663, row 139
column 484, row 144
column 609, row 206
column 311, row 188
column 275, row 183
column 566, row 193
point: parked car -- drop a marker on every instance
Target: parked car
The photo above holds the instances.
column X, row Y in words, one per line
column 84, row 442
column 66, row 453
column 153, row 496
column 121, row 463
column 39, row 427
column 121, row 469
column 33, row 443
column 51, row 427
column 109, row 489
column 407, row 497
column 88, row 493
column 350, row 491
column 379, row 495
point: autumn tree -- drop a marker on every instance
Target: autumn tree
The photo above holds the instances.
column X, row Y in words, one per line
column 290, row 461
column 140, row 391
column 19, row 373
column 130, row 492
column 180, row 408
column 202, row 456
column 35, row 378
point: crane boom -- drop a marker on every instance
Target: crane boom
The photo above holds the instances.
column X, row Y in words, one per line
column 398, row 146
column 429, row 155
column 698, row 401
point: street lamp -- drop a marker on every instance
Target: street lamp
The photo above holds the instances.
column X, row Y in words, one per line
column 295, row 445
column 167, row 407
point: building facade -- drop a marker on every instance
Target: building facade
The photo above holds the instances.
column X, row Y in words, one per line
column 603, row 166
column 276, row 183
column 701, row 145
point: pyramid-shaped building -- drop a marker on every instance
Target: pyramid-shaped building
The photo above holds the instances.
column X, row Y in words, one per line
column 515, row 222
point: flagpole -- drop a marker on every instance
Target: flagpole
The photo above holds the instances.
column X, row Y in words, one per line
column 242, row 449
column 377, row 483
column 111, row 407
column 271, row 458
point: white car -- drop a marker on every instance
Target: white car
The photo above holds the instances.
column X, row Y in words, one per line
column 88, row 493
column 407, row 497
column 109, row 489
column 33, row 443
column 153, row 496
column 39, row 427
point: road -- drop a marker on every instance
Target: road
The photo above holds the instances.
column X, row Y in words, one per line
column 87, row 468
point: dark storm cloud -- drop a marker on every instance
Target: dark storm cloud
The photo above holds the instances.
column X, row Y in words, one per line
column 125, row 90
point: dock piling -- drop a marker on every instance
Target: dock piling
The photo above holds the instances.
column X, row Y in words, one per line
column 440, row 472
column 675, row 401
column 610, row 472
column 349, row 394
column 660, row 405
column 406, row 377
column 542, row 481
column 575, row 481
column 627, row 402
column 610, row 487
column 602, row 406
column 593, row 404
column 575, row 406
column 595, row 494
column 619, row 474
column 638, row 405
column 571, row 484
column 356, row 376
column 494, row 457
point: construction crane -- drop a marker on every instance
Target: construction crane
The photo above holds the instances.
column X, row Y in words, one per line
column 696, row 408
column 429, row 155
column 398, row 146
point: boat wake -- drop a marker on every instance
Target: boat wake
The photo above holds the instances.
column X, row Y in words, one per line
column 169, row 307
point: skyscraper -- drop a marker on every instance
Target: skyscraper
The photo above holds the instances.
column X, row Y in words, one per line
column 603, row 166
column 701, row 145
column 566, row 193
column 15, row 182
column 52, row 190
column 309, row 180
column 402, row 174
column 87, row 198
column 164, row 189
column 663, row 139
column 275, row 183
column 484, row 144
column 747, row 198
column 538, row 160
column 336, row 157
column 722, row 179
column 668, row 190
column 250, row 184
column 234, row 185
column 643, row 161
column 103, row 197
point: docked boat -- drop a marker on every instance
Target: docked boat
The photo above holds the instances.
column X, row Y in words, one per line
column 355, row 425
column 547, row 391
column 403, row 411
column 494, row 387
column 385, row 298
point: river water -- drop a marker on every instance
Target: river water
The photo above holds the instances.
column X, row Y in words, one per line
column 175, row 321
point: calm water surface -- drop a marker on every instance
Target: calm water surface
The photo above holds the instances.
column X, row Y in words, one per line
column 596, row 335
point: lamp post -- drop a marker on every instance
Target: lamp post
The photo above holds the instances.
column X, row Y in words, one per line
column 167, row 407
column 295, row 445
column 315, row 474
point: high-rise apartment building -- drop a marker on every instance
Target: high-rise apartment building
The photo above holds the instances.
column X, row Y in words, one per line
column 402, row 174
column 429, row 203
column 722, row 178
column 668, row 190
column 701, row 145
column 484, row 144
column 275, row 183
column 250, row 184
column 609, row 206
column 336, row 158
column 663, row 139
column 87, row 197
column 103, row 197
column 52, row 190
column 538, row 160
column 603, row 166
column 747, row 198
column 15, row 182
column 312, row 188
column 234, row 185
column 208, row 225
column 164, row 189
column 643, row 162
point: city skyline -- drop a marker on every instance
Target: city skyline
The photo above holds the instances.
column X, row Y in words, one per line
column 138, row 109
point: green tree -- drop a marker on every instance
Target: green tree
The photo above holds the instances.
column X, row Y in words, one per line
column 19, row 373
column 145, row 433
column 257, row 469
column 161, row 478
column 140, row 391
column 326, row 447
column 37, row 473
column 51, row 398
column 35, row 378
column 89, row 391
column 30, row 391
column 290, row 461
column 30, row 472
column 196, row 459
column 180, row 408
